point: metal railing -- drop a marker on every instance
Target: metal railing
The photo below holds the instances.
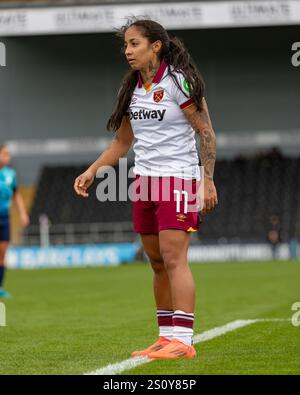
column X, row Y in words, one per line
column 47, row 234
column 84, row 233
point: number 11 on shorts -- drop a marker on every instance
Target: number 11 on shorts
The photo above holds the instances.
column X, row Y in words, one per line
column 185, row 200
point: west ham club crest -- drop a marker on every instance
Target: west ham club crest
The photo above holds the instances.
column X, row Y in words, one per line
column 158, row 95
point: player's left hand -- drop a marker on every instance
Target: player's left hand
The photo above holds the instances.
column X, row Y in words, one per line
column 24, row 219
column 210, row 199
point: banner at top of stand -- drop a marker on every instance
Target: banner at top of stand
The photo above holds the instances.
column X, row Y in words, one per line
column 179, row 15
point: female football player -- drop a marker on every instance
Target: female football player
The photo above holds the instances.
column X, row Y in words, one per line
column 160, row 106
column 8, row 193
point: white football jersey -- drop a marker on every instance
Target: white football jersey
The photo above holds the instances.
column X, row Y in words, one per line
column 164, row 141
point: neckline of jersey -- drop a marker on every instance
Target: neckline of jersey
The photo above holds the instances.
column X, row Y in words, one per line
column 158, row 76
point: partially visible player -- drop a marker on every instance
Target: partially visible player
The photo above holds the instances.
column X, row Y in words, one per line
column 8, row 193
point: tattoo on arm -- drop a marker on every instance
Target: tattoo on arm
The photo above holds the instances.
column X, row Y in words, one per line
column 201, row 123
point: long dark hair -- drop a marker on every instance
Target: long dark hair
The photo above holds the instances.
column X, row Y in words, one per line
column 173, row 52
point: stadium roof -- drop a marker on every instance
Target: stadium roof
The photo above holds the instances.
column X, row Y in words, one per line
column 57, row 3
column 37, row 17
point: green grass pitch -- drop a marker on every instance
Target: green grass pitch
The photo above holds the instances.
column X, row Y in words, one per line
column 72, row 321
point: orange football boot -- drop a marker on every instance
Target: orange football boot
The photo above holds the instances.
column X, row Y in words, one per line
column 158, row 345
column 175, row 349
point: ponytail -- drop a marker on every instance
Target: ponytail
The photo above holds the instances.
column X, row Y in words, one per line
column 181, row 60
column 123, row 100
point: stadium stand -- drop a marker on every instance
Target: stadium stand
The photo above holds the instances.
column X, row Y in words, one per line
column 252, row 191
column 17, row 3
column 73, row 219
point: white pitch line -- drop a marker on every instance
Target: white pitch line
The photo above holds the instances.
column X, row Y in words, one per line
column 117, row 368
column 273, row 319
column 221, row 330
column 231, row 326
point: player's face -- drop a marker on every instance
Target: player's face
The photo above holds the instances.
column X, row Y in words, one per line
column 138, row 50
column 4, row 156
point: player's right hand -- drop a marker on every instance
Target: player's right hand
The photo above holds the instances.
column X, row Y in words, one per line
column 83, row 182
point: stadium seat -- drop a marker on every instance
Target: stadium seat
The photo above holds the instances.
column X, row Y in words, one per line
column 250, row 192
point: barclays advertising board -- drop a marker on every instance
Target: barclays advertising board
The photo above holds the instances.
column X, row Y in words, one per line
column 71, row 255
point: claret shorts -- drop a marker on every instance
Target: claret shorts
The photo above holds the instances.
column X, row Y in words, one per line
column 161, row 203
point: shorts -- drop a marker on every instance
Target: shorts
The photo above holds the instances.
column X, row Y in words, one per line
column 4, row 228
column 161, row 203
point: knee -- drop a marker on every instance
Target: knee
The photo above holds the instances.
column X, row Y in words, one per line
column 157, row 265
column 171, row 260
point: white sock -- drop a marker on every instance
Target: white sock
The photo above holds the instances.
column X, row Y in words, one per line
column 183, row 326
column 165, row 323
column 166, row 331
